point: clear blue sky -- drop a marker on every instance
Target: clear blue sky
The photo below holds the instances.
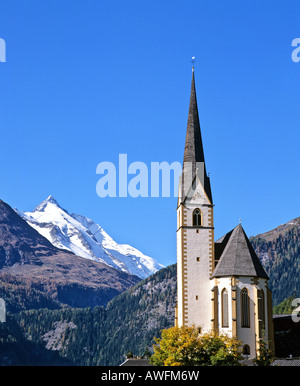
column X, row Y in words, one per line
column 86, row 80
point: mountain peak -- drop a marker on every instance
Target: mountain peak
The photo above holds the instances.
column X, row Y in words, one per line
column 49, row 200
column 85, row 238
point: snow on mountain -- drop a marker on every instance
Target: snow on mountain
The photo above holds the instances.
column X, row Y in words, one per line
column 85, row 238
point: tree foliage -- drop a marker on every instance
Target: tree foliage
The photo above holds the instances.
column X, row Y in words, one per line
column 285, row 307
column 184, row 346
column 265, row 356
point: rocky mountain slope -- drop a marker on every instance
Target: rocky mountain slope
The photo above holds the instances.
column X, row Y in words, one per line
column 29, row 261
column 85, row 238
column 281, row 230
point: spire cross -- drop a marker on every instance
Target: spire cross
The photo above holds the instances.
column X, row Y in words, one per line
column 193, row 61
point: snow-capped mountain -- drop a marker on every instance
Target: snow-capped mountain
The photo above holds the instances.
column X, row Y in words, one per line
column 85, row 238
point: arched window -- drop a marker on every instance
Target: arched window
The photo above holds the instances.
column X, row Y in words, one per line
column 197, row 217
column 245, row 304
column 246, row 350
column 261, row 307
column 224, row 308
column 261, row 313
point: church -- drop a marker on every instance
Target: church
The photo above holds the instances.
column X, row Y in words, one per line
column 221, row 285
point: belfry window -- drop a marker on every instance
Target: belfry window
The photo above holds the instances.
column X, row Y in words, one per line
column 197, row 217
column 225, row 308
column 245, row 304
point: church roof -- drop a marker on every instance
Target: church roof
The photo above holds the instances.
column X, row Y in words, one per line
column 193, row 151
column 238, row 257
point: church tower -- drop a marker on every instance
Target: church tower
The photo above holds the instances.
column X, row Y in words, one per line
column 195, row 229
column 221, row 286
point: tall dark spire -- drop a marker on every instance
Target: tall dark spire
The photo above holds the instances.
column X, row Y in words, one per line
column 193, row 150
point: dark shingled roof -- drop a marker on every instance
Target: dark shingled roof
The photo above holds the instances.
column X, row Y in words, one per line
column 286, row 362
column 193, row 151
column 136, row 362
column 238, row 257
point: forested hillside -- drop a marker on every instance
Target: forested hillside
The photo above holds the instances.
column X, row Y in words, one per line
column 95, row 336
column 41, row 330
column 280, row 254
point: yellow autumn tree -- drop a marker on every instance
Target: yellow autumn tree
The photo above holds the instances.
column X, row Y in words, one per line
column 184, row 346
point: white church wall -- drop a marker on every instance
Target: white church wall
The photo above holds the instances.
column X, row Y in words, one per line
column 247, row 335
column 250, row 335
column 197, row 249
column 199, row 307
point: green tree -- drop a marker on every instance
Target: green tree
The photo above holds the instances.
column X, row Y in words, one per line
column 265, row 356
column 184, row 346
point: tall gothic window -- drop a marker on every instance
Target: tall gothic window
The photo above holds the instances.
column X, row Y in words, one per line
column 261, row 307
column 197, row 217
column 261, row 312
column 245, row 308
column 225, row 308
